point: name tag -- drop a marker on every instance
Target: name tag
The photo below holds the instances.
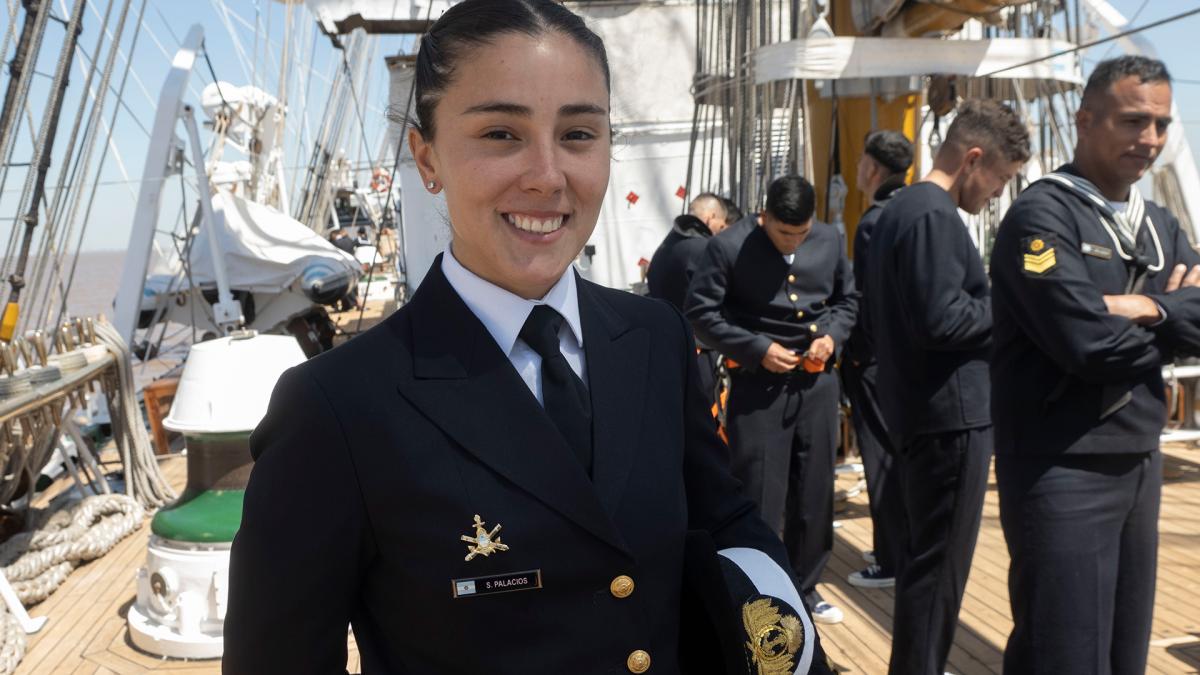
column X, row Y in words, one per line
column 500, row 583
column 1097, row 251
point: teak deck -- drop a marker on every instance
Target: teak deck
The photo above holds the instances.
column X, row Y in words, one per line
column 87, row 634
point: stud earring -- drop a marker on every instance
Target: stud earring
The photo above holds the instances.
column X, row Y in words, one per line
column 432, row 185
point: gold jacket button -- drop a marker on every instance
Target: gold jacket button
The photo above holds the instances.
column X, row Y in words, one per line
column 621, row 587
column 638, row 662
column 812, row 328
column 793, row 297
column 799, row 314
column 791, row 278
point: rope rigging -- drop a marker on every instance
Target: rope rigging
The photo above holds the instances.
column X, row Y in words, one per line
column 1099, row 41
column 389, row 203
column 42, row 153
column 16, row 95
column 61, row 216
column 52, row 254
column 108, row 144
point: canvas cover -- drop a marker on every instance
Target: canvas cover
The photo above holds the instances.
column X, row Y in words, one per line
column 264, row 251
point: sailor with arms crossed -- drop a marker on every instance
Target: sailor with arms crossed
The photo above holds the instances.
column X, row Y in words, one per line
column 1094, row 290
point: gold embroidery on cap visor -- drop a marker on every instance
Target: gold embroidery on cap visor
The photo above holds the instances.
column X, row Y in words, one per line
column 1040, row 263
column 775, row 637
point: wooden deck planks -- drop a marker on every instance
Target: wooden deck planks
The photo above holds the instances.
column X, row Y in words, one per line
column 352, row 322
column 985, row 620
column 86, row 634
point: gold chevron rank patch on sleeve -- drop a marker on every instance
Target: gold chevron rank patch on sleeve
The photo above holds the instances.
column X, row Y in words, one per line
column 1038, row 254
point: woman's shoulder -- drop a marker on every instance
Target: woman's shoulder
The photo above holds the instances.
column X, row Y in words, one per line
column 666, row 327
column 363, row 358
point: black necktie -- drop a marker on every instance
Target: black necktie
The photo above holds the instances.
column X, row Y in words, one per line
column 563, row 395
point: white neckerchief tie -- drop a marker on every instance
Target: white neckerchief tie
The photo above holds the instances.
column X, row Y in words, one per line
column 1122, row 226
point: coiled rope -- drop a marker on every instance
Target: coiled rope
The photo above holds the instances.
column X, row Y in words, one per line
column 13, row 648
column 37, row 561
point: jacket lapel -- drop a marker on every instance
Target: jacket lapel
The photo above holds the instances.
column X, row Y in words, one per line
column 469, row 389
column 616, row 354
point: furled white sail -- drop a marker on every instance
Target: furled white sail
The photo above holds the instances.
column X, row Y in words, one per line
column 839, row 58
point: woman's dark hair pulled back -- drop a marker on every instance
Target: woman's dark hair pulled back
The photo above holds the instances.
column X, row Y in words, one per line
column 473, row 23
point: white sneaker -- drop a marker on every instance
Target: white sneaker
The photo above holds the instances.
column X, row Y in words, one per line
column 849, row 468
column 872, row 577
column 824, row 612
column 869, row 556
column 840, row 495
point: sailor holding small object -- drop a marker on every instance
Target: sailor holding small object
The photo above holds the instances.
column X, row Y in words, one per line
column 778, row 299
column 1094, row 290
column 554, row 424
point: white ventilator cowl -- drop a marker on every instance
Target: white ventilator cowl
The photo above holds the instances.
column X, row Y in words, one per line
column 227, row 383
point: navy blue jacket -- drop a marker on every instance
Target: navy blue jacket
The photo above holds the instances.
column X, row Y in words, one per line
column 744, row 294
column 859, row 346
column 407, row 431
column 1067, row 376
column 930, row 316
column 675, row 260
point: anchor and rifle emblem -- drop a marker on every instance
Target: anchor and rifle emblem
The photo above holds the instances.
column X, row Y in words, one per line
column 484, row 543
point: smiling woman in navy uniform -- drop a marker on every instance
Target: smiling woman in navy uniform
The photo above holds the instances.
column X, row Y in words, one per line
column 1092, row 295
column 502, row 476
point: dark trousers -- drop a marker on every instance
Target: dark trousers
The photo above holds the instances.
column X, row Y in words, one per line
column 783, row 433
column 1082, row 531
column 945, row 477
column 889, row 526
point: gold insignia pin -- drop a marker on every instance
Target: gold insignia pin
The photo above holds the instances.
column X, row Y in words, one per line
column 484, row 543
column 1037, row 245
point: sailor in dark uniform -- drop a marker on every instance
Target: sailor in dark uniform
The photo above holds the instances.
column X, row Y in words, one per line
column 1092, row 295
column 674, row 263
column 770, row 297
column 886, row 157
column 929, row 317
column 508, row 474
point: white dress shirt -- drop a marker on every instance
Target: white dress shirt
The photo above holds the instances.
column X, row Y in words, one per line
column 503, row 314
